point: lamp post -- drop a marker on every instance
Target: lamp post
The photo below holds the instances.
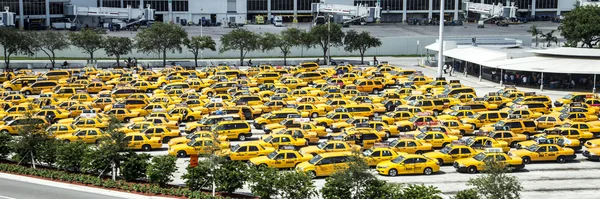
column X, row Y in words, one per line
column 328, row 39
column 441, row 40
column 201, row 34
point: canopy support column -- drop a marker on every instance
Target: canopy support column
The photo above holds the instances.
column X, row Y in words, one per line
column 594, row 83
column 480, row 71
column 542, row 82
column 501, row 77
column 466, row 66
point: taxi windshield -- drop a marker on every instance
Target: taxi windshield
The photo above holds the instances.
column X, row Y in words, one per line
column 315, row 159
column 268, row 115
column 421, row 136
column 268, row 139
column 367, row 152
column 479, row 157
column 398, row 159
column 330, row 116
column 454, row 113
column 475, row 115
column 272, row 155
column 190, row 136
column 283, row 122
column 569, row 96
column 445, row 150
column 393, row 143
column 500, row 123
column 520, row 99
column 413, row 119
column 532, row 148
column 203, row 120
column 322, row 145
column 191, row 143
column 234, row 148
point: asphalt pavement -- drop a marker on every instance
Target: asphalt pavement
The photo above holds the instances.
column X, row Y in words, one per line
column 11, row 189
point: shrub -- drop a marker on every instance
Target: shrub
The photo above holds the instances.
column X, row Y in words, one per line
column 230, row 175
column 69, row 155
column 161, row 169
column 134, row 166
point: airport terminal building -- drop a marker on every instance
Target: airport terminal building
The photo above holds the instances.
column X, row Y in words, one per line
column 45, row 12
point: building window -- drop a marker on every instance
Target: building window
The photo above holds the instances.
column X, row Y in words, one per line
column 417, row 4
column 282, row 4
column 133, row 4
column 392, row 5
column 180, row 6
column 257, row 5
column 546, row 4
column 369, row 3
column 57, row 8
column 523, row 4
column 306, row 5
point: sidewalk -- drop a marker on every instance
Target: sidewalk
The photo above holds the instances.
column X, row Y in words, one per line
column 73, row 187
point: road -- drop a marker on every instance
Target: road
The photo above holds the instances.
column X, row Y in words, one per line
column 10, row 189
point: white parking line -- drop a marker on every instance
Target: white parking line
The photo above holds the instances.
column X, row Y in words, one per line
column 6, row 197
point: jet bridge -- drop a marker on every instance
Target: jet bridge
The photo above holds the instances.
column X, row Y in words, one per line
column 129, row 16
column 347, row 13
column 488, row 11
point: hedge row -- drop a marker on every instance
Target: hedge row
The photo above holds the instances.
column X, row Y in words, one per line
column 104, row 183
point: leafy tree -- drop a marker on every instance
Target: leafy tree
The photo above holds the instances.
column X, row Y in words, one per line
column 161, row 169
column 49, row 42
column 230, row 175
column 582, row 24
column 413, row 191
column 550, row 38
column 107, row 154
column 117, row 46
column 324, row 37
column 198, row 44
column 134, row 166
column 242, row 40
column 495, row 183
column 467, row 194
column 88, row 40
column 285, row 41
column 263, row 180
column 5, row 143
column 160, row 38
column 200, row 176
column 337, row 186
column 30, row 144
column 47, row 153
column 296, row 185
column 68, row 155
column 379, row 189
column 535, row 32
column 349, row 183
column 360, row 42
column 14, row 42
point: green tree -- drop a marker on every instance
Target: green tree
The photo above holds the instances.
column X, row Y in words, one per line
column 161, row 169
column 413, row 191
column 5, row 143
column 379, row 189
column 284, row 41
column 535, row 32
column 495, row 183
column 240, row 39
column 117, row 46
column 87, row 40
column 199, row 43
column 200, row 176
column 326, row 36
column 467, row 194
column 49, row 42
column 28, row 147
column 47, row 153
column 582, row 24
column 230, row 175
column 134, row 165
column 263, row 181
column 68, row 155
column 348, row 183
column 160, row 38
column 108, row 153
column 550, row 38
column 354, row 41
column 14, row 42
column 296, row 185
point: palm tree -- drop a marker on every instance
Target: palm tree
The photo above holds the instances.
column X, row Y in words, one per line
column 549, row 37
column 535, row 32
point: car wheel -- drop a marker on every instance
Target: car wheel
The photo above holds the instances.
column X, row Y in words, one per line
column 242, row 137
column 4, row 132
column 393, row 172
column 27, row 92
column 191, row 118
column 526, row 160
column 419, row 152
column 66, row 141
column 473, row 126
column 263, row 165
column 440, row 161
column 126, row 119
column 428, row 171
column 561, row 159
column 375, row 114
column 315, row 115
column 9, row 89
column 262, row 126
column 323, row 124
column 444, row 144
column 166, row 139
column 209, row 94
column 387, row 135
column 376, row 91
column 406, row 128
column 146, row 147
column 312, row 174
column 163, row 84
column 472, row 169
column 462, row 132
column 513, row 145
column 181, row 154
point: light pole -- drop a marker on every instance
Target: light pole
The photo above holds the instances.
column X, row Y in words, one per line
column 328, row 39
column 201, row 35
column 441, row 40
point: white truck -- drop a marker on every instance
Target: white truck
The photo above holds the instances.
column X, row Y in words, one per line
column 278, row 21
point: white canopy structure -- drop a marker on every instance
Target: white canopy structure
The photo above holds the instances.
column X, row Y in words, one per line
column 471, row 54
column 548, row 65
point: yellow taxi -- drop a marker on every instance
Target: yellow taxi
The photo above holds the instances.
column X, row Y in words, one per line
column 408, row 164
column 329, row 146
column 375, row 155
column 477, row 162
column 450, row 153
column 544, row 152
column 13, row 126
column 325, row 164
column 282, row 159
column 139, row 141
column 87, row 135
column 409, row 145
column 60, row 129
column 197, row 146
column 244, row 151
column 277, row 140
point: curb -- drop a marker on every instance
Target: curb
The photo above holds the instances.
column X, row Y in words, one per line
column 74, row 187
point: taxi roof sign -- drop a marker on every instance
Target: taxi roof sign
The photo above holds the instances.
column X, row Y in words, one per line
column 514, row 116
column 301, row 120
column 118, row 106
column 216, row 100
column 286, row 147
column 455, row 81
column 460, row 142
column 494, row 150
column 406, row 136
column 464, row 108
column 378, row 118
column 362, row 125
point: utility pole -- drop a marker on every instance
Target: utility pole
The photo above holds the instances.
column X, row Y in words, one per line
column 201, row 33
column 328, row 39
column 441, row 40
